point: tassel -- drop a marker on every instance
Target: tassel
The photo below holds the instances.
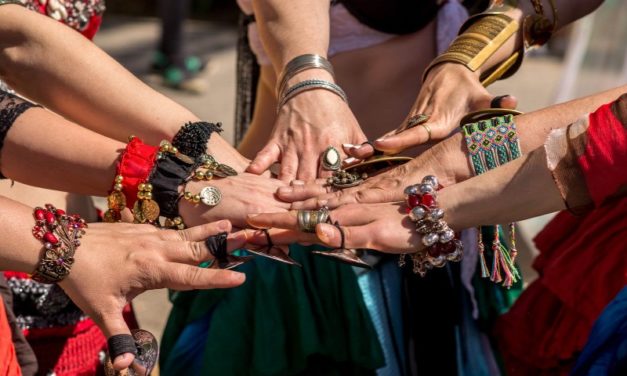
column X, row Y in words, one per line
column 484, row 265
column 509, row 278
column 496, row 261
column 512, row 239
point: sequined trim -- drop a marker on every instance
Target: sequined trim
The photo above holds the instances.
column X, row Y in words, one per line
column 75, row 14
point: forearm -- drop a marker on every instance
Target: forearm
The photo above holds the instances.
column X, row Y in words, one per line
column 57, row 67
column 292, row 28
column 451, row 156
column 45, row 150
column 519, row 190
column 19, row 250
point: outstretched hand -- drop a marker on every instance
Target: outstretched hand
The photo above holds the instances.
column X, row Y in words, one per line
column 449, row 92
column 118, row 261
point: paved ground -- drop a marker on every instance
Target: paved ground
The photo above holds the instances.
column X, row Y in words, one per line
column 131, row 41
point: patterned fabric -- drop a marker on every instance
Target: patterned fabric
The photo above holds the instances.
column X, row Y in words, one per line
column 84, row 16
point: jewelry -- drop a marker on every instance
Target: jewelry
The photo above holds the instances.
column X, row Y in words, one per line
column 437, row 236
column 142, row 344
column 496, row 101
column 220, row 170
column 343, row 254
column 217, row 246
column 416, row 120
column 310, row 85
column 493, row 142
column 145, row 210
column 60, row 234
column 299, row 64
column 331, row 159
column 343, row 179
column 481, row 36
column 116, row 201
column 272, row 252
column 428, row 129
column 192, row 138
column 309, row 219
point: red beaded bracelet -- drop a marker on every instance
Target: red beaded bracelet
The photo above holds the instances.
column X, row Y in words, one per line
column 60, row 233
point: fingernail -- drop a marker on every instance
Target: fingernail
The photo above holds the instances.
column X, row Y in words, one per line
column 381, row 138
column 298, row 182
column 325, row 231
column 350, row 160
column 349, row 146
column 253, row 215
column 224, row 225
column 284, row 190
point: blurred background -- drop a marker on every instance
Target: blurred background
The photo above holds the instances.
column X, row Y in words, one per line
column 588, row 57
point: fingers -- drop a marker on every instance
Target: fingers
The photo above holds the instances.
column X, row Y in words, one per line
column 196, row 252
column 362, row 151
column 264, row 159
column 504, row 101
column 354, row 237
column 418, row 135
column 281, row 220
column 202, row 232
column 187, row 277
column 301, row 192
column 289, row 166
column 308, row 166
column 281, row 237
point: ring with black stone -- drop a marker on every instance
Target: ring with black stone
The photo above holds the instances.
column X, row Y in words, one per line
column 121, row 344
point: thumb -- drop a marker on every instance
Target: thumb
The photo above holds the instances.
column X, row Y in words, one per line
column 264, row 159
column 113, row 324
column 499, row 101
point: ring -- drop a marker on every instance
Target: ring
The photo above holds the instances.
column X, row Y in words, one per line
column 309, row 219
column 343, row 179
column 217, row 246
column 417, row 120
column 331, row 160
column 428, row 131
column 121, row 344
column 376, row 152
column 496, row 101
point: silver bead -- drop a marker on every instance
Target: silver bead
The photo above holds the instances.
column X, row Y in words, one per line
column 430, row 239
column 426, row 188
column 439, row 261
column 436, row 214
column 417, row 213
column 411, row 190
column 447, row 235
column 432, row 180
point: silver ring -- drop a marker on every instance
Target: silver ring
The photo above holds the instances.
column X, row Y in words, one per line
column 309, row 219
column 331, row 159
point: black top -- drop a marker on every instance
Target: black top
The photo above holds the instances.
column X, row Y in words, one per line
column 400, row 16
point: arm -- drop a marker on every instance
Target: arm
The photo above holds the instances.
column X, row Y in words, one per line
column 448, row 159
column 313, row 120
column 59, row 68
column 451, row 90
column 117, row 262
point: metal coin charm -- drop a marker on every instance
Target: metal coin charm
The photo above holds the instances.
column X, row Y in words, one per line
column 116, row 200
column 331, row 159
column 344, row 179
column 111, row 216
column 224, row 171
column 210, row 196
column 146, row 211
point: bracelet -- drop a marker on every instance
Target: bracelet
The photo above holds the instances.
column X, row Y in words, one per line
column 299, row 64
column 60, row 233
column 311, row 85
column 437, row 236
column 192, row 138
column 493, row 142
column 208, row 169
column 537, row 29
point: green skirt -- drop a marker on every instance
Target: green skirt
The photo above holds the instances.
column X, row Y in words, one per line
column 284, row 320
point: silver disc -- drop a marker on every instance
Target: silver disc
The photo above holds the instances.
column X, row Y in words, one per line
column 210, row 196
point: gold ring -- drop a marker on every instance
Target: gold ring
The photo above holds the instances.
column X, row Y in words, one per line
column 428, row 131
column 308, row 219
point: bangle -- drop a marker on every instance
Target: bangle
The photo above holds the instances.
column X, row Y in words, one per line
column 192, row 138
column 537, row 28
column 311, row 85
column 60, row 233
column 493, row 141
column 299, row 64
column 437, row 236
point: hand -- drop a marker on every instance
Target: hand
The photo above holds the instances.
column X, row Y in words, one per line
column 241, row 194
column 449, row 92
column 119, row 261
column 388, row 186
column 306, row 126
column 383, row 227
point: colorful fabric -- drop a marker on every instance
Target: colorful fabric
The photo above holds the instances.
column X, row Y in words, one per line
column 9, row 365
column 283, row 321
column 605, row 352
column 582, row 264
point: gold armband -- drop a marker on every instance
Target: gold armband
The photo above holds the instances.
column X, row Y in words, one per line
column 479, row 40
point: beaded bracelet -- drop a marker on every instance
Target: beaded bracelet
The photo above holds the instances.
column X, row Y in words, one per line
column 437, row 236
column 491, row 143
column 60, row 233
